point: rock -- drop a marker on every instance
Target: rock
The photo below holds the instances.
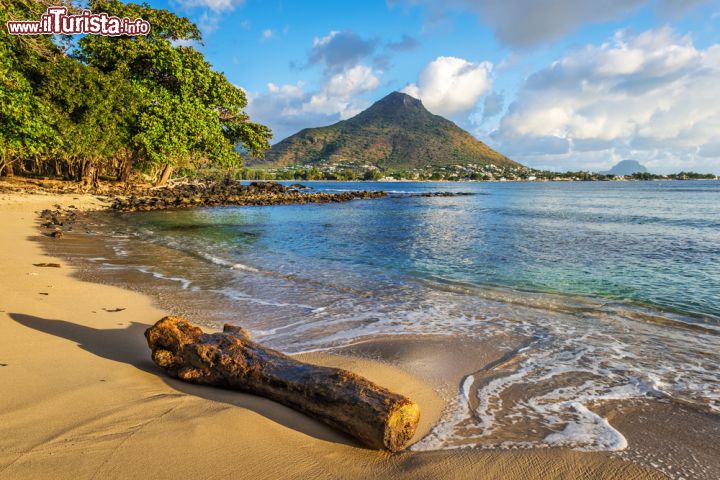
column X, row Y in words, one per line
column 228, row 192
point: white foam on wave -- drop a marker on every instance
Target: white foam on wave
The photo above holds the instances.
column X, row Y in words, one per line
column 575, row 360
column 111, row 266
column 591, row 430
column 273, row 331
column 184, row 282
column 240, row 266
column 234, row 294
column 225, row 263
column 568, row 373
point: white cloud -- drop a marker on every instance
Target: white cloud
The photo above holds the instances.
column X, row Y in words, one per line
column 278, row 108
column 215, row 5
column 450, row 85
column 525, row 23
column 289, row 108
column 338, row 91
column 209, row 19
column 208, row 23
column 651, row 97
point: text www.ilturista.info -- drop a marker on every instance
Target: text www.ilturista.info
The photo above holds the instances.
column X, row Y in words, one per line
column 56, row 21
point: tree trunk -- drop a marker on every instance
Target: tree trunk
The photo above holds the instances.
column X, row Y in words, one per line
column 22, row 166
column 165, row 175
column 9, row 171
column 80, row 172
column 89, row 174
column 370, row 413
column 126, row 169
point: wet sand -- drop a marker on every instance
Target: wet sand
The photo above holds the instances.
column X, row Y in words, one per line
column 81, row 398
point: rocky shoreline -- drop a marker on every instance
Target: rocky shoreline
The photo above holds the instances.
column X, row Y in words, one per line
column 124, row 197
column 227, row 193
column 210, row 193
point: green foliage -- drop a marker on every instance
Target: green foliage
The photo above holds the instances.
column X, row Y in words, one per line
column 372, row 175
column 692, row 176
column 25, row 128
column 93, row 113
column 25, row 124
column 193, row 115
column 146, row 101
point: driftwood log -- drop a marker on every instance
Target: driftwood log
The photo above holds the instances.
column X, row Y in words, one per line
column 373, row 415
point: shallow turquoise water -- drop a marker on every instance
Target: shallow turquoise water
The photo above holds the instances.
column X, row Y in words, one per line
column 655, row 243
column 595, row 292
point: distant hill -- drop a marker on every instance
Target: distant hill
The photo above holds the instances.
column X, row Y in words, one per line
column 625, row 167
column 396, row 132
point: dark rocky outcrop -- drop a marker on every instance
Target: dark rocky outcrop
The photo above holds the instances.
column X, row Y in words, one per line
column 211, row 194
column 58, row 221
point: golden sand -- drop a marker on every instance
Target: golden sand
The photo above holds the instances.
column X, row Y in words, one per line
column 81, row 398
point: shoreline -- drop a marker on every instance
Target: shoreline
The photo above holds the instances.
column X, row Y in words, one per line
column 86, row 399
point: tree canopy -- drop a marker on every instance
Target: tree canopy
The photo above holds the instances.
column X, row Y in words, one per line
column 107, row 106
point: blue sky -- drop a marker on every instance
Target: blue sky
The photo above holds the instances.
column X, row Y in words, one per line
column 558, row 84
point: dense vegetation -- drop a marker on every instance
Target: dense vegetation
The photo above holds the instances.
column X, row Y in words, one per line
column 95, row 106
column 460, row 173
column 396, row 132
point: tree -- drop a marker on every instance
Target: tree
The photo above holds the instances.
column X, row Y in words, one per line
column 193, row 116
column 93, row 116
column 373, row 175
column 25, row 127
column 111, row 105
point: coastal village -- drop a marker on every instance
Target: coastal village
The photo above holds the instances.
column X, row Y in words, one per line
column 352, row 171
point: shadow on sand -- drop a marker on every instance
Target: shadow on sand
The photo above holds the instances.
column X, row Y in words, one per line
column 127, row 345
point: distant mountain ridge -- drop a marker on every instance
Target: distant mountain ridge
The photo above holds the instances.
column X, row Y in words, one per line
column 395, row 132
column 626, row 167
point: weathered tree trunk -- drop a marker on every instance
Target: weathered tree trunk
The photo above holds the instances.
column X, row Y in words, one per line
column 372, row 414
column 89, row 174
column 164, row 176
column 126, row 168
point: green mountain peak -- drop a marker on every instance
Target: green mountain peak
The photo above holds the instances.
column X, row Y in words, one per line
column 396, row 132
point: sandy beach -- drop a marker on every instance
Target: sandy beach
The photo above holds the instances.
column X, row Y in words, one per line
column 82, row 399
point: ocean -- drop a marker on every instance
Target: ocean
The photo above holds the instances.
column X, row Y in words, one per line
column 592, row 292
